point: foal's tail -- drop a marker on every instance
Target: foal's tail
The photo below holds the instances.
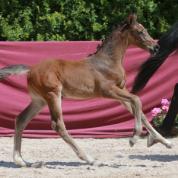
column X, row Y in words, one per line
column 13, row 70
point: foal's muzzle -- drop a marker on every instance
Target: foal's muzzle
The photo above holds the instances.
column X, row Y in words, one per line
column 154, row 50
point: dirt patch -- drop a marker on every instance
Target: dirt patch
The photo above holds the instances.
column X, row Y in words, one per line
column 119, row 160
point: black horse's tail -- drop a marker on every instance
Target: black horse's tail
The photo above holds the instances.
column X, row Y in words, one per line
column 168, row 43
column 147, row 70
column 13, row 70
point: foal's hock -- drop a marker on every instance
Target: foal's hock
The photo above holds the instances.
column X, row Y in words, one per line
column 100, row 75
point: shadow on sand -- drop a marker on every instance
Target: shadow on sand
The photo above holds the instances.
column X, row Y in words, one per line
column 156, row 157
column 61, row 165
column 7, row 164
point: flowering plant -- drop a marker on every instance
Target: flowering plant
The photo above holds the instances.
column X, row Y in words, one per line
column 159, row 113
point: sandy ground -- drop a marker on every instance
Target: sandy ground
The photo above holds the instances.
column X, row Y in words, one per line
column 120, row 161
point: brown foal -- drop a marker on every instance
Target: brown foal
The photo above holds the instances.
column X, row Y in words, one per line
column 99, row 75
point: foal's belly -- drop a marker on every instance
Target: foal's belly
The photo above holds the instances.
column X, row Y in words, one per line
column 77, row 97
column 80, row 92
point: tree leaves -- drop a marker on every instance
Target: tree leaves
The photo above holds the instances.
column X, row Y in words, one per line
column 78, row 19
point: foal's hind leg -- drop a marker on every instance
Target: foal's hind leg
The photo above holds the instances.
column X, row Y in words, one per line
column 21, row 122
column 54, row 103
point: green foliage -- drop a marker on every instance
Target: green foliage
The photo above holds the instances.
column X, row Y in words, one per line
column 158, row 121
column 79, row 19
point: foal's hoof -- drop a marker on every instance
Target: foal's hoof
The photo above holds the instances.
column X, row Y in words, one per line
column 90, row 160
column 133, row 140
column 37, row 164
column 151, row 140
column 99, row 164
column 20, row 162
column 168, row 144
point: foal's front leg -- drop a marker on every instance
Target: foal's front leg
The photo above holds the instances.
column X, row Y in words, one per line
column 153, row 136
column 54, row 104
column 134, row 107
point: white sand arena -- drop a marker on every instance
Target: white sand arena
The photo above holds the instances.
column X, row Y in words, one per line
column 120, row 161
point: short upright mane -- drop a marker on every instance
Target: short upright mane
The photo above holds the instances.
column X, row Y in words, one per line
column 107, row 40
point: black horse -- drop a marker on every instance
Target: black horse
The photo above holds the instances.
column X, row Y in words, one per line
column 168, row 44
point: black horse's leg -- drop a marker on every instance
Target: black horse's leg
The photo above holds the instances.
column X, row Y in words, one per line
column 169, row 120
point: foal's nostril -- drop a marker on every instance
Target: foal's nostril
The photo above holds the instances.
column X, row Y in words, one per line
column 156, row 48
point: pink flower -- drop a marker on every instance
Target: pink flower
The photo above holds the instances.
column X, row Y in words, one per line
column 165, row 108
column 155, row 111
column 164, row 102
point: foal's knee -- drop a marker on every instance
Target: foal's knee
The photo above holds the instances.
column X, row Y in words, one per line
column 54, row 126
column 136, row 101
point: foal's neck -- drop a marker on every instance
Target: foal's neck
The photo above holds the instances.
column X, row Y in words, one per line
column 113, row 49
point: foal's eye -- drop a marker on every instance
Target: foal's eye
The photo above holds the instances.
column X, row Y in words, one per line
column 140, row 32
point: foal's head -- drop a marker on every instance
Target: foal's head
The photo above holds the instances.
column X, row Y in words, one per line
column 138, row 35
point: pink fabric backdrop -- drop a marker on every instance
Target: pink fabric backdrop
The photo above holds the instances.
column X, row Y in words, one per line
column 98, row 118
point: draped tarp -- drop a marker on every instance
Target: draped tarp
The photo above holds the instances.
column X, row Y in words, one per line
column 99, row 118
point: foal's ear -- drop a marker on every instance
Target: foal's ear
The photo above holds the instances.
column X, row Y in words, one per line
column 131, row 19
